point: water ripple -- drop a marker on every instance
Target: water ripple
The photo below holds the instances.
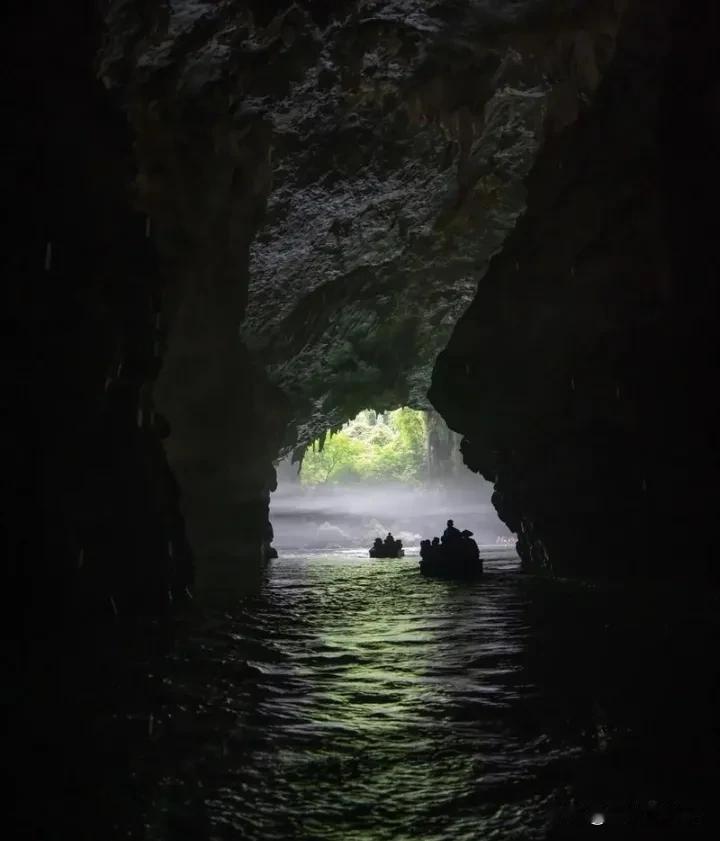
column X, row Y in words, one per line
column 356, row 700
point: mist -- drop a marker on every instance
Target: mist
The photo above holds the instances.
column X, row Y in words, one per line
column 349, row 516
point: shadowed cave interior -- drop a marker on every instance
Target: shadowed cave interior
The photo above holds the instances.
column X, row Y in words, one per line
column 232, row 227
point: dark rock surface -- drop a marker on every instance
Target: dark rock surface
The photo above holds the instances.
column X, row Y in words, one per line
column 580, row 374
column 92, row 536
column 232, row 225
column 336, row 177
column 91, row 519
column 266, row 216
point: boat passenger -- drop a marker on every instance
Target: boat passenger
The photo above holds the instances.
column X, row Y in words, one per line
column 474, row 552
column 451, row 534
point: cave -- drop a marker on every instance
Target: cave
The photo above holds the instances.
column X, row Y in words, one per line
column 399, row 472
column 233, row 225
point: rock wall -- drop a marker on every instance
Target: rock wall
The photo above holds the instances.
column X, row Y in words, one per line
column 399, row 152
column 266, row 216
column 203, row 179
column 91, row 519
column 330, row 180
column 580, row 376
column 444, row 459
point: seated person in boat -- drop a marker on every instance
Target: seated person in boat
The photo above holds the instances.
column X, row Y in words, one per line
column 430, row 550
column 451, row 534
column 472, row 547
column 455, row 546
column 388, row 548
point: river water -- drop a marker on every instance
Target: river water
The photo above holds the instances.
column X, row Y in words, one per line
column 376, row 707
column 355, row 700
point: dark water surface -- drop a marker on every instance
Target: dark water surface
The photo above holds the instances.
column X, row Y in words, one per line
column 353, row 699
column 376, row 707
column 357, row 700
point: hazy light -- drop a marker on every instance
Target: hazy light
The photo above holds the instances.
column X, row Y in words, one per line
column 345, row 516
column 400, row 472
column 598, row 819
column 351, row 516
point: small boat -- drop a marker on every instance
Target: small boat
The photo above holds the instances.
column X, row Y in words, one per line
column 374, row 553
column 459, row 559
column 451, row 568
column 388, row 548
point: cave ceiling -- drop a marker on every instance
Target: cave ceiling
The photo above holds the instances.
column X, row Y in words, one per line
column 343, row 172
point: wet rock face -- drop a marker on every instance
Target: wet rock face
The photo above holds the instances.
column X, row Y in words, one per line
column 332, row 179
column 91, row 517
column 579, row 374
column 254, row 219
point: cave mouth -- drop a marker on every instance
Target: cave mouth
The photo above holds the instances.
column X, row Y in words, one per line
column 396, row 471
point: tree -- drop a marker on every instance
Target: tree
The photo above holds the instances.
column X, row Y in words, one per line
column 390, row 447
column 339, row 454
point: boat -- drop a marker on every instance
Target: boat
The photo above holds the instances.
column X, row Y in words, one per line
column 388, row 548
column 451, row 568
column 459, row 559
column 399, row 553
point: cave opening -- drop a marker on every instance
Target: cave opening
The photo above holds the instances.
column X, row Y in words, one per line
column 398, row 471
column 233, row 226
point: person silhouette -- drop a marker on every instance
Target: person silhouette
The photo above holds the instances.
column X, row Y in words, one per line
column 473, row 551
column 451, row 534
column 389, row 546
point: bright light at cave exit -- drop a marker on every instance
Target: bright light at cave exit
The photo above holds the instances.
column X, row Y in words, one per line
column 399, row 471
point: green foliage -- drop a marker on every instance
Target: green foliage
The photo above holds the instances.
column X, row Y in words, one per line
column 389, row 447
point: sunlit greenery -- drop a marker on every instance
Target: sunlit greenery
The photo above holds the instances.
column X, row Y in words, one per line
column 389, row 447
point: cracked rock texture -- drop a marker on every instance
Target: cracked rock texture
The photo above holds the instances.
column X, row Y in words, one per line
column 330, row 179
column 237, row 223
column 595, row 418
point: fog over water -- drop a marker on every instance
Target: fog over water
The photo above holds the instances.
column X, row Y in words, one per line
column 350, row 516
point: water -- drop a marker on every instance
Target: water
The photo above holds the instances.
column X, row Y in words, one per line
column 377, row 706
column 353, row 699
